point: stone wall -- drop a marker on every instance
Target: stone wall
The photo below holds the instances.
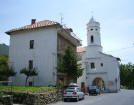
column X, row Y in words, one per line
column 36, row 98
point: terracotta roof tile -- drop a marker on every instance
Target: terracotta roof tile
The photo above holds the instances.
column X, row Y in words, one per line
column 81, row 49
column 35, row 25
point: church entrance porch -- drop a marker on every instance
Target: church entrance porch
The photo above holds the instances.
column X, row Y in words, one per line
column 99, row 83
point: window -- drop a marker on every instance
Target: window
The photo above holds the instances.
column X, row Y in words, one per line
column 92, row 39
column 91, row 29
column 96, row 29
column 30, row 64
column 92, row 65
column 31, row 44
column 30, row 83
column 101, row 64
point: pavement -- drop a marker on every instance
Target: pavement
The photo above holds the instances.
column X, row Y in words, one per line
column 124, row 97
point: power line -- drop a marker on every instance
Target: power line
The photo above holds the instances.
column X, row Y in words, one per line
column 121, row 49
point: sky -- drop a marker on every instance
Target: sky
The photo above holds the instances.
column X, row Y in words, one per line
column 116, row 18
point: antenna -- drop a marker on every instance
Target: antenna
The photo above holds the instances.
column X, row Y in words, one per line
column 61, row 18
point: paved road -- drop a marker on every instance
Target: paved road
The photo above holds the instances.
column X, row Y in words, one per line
column 124, row 97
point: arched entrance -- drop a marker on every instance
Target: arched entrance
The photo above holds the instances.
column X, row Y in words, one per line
column 99, row 83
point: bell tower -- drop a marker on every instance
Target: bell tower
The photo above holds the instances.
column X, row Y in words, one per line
column 93, row 37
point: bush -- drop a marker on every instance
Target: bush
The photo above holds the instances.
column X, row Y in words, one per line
column 27, row 89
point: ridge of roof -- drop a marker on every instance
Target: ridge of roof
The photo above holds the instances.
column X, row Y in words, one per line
column 81, row 49
column 106, row 54
column 39, row 24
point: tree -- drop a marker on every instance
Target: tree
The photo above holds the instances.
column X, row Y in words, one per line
column 69, row 64
column 11, row 71
column 127, row 75
column 29, row 73
column 5, row 70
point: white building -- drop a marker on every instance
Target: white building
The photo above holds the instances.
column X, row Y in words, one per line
column 39, row 45
column 100, row 69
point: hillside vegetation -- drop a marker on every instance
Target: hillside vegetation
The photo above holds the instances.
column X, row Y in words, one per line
column 4, row 49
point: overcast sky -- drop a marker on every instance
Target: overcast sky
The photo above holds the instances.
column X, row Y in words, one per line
column 115, row 16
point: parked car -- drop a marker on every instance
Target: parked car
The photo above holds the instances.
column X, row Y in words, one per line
column 73, row 85
column 73, row 88
column 74, row 93
column 94, row 90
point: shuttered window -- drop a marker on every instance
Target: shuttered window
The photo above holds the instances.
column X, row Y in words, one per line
column 30, row 64
column 31, row 44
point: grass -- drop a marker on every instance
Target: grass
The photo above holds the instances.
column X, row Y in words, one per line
column 27, row 89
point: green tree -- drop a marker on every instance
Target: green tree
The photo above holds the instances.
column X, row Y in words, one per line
column 5, row 70
column 69, row 64
column 29, row 73
column 127, row 75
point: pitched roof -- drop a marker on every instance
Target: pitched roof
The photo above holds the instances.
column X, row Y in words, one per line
column 118, row 59
column 92, row 19
column 81, row 49
column 33, row 26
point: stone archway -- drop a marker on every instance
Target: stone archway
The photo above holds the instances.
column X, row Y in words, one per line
column 99, row 83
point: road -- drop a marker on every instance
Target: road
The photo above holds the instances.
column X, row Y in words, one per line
column 124, row 97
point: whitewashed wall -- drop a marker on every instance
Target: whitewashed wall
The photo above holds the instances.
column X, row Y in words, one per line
column 111, row 65
column 109, row 72
column 44, row 55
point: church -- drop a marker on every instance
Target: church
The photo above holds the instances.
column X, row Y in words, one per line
column 100, row 69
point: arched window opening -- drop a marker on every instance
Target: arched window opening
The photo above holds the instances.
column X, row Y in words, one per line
column 92, row 39
column 101, row 64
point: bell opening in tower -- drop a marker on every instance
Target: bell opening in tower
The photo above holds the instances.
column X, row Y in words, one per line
column 92, row 39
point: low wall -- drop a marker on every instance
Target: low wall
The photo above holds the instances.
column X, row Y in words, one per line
column 36, row 98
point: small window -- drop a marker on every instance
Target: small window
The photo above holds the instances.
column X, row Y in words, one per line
column 30, row 64
column 91, row 29
column 31, row 44
column 101, row 64
column 96, row 29
column 92, row 65
column 92, row 39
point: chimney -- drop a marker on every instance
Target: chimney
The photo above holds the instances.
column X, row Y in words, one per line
column 33, row 21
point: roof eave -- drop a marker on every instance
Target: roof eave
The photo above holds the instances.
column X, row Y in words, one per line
column 10, row 32
column 76, row 42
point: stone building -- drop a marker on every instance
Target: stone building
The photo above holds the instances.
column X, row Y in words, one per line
column 100, row 69
column 39, row 45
